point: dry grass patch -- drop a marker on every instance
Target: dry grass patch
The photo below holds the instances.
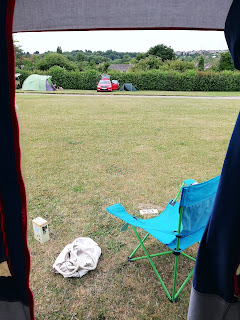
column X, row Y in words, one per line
column 82, row 154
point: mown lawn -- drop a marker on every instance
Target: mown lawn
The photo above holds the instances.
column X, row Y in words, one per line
column 82, row 154
column 144, row 93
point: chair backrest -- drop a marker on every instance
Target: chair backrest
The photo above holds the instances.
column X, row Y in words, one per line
column 196, row 204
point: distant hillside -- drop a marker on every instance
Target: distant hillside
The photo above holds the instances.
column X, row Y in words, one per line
column 210, row 56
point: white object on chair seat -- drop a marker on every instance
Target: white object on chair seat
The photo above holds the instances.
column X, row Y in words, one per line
column 77, row 258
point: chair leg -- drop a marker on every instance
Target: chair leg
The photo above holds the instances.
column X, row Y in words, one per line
column 149, row 256
column 184, row 283
column 132, row 254
column 152, row 264
column 175, row 277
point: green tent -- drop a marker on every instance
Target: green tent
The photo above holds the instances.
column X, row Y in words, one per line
column 36, row 82
column 128, row 87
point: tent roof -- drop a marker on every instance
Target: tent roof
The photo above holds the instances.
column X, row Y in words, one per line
column 35, row 82
column 35, row 15
column 37, row 77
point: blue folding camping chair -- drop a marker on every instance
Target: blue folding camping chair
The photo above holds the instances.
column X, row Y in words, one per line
column 179, row 226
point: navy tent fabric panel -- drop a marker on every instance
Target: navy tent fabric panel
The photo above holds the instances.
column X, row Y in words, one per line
column 16, row 301
column 232, row 32
column 215, row 292
column 218, row 257
column 212, row 295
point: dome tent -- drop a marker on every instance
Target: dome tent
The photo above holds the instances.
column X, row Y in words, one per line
column 16, row 300
column 36, row 82
column 128, row 87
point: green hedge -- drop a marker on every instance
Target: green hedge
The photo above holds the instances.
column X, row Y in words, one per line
column 86, row 80
column 191, row 80
column 25, row 74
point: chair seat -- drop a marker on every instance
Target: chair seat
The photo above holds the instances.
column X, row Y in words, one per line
column 163, row 227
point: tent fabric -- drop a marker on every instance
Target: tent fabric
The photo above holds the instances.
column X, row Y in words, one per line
column 52, row 15
column 128, row 87
column 211, row 307
column 232, row 33
column 37, row 82
column 215, row 283
column 16, row 301
column 218, row 255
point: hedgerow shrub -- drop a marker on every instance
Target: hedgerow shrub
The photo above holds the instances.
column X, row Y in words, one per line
column 86, row 80
column 218, row 81
column 25, row 73
column 159, row 80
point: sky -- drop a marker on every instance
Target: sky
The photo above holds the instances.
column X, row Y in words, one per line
column 123, row 41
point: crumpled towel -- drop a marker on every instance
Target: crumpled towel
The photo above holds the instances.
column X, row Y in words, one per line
column 77, row 258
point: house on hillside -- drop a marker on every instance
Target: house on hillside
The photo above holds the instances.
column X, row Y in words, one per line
column 121, row 67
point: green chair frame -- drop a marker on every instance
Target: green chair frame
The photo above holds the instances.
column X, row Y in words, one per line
column 172, row 297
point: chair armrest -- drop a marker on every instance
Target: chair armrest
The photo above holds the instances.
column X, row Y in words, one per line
column 189, row 182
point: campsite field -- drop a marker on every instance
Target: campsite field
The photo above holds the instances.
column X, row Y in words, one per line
column 144, row 93
column 81, row 154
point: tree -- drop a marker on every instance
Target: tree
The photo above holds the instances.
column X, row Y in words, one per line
column 178, row 65
column 80, row 56
column 55, row 59
column 149, row 63
column 162, row 51
column 140, row 56
column 104, row 67
column 225, row 62
column 59, row 50
column 201, row 63
column 18, row 55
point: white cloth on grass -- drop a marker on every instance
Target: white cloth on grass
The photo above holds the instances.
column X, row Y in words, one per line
column 77, row 258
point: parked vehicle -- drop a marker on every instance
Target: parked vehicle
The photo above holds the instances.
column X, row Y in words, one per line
column 104, row 85
column 115, row 85
column 105, row 76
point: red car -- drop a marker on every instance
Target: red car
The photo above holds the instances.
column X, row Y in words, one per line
column 104, row 85
column 115, row 85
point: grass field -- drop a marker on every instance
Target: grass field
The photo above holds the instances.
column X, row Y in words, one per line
column 82, row 154
column 145, row 93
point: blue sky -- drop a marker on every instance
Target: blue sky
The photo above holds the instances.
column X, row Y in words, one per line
column 138, row 41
